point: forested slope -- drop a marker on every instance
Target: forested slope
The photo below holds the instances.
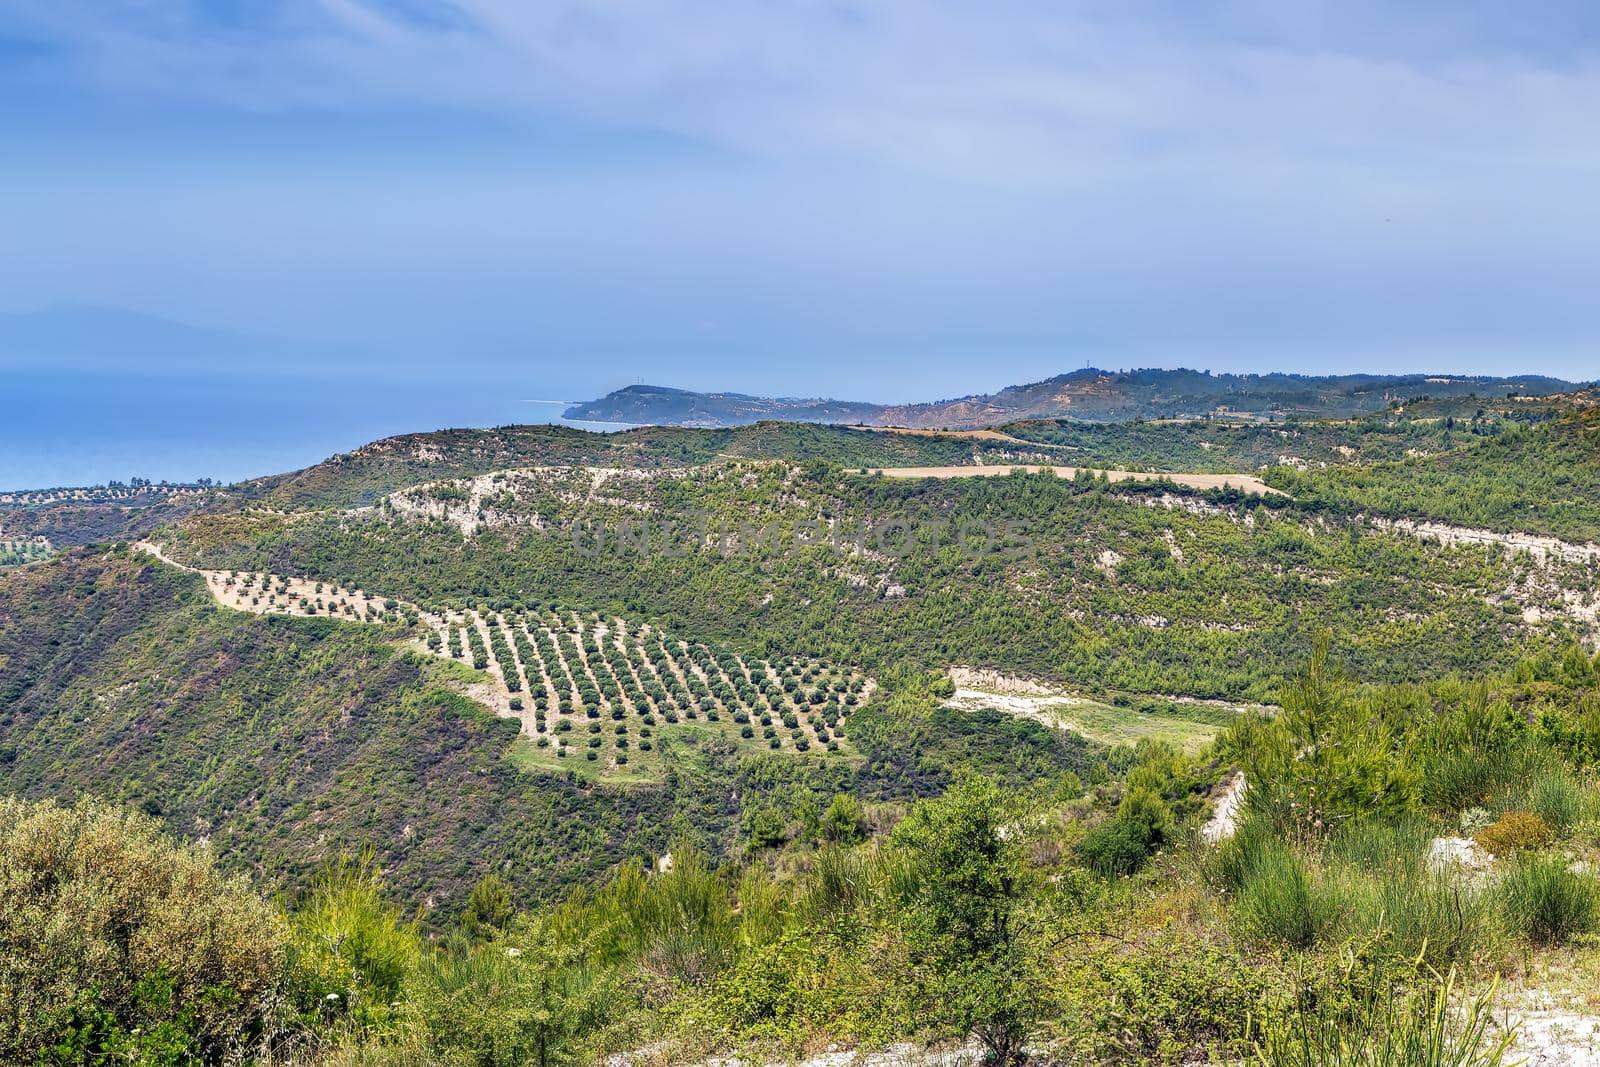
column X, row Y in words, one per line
column 1144, row 590
column 1543, row 479
column 285, row 742
column 365, row 475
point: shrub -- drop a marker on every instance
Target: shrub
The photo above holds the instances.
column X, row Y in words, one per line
column 118, row 945
column 843, row 822
column 350, row 942
column 1514, row 831
column 1545, row 902
column 1115, row 847
column 1121, row 845
column 959, row 887
column 532, row 997
column 1175, row 999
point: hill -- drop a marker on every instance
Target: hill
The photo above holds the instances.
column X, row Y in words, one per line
column 752, row 649
column 1089, row 394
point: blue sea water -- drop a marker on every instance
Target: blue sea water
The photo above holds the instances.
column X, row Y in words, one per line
column 77, row 428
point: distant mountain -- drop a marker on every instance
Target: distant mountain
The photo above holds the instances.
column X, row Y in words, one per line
column 657, row 405
column 1091, row 395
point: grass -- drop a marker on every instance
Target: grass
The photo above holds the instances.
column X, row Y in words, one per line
column 1110, row 725
column 1546, row 902
column 1558, row 800
column 1368, row 884
column 1384, row 1029
column 1280, row 897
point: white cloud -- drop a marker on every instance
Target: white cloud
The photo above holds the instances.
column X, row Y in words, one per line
column 1052, row 93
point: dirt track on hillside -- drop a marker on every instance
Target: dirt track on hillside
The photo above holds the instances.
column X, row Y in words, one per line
column 1242, row 482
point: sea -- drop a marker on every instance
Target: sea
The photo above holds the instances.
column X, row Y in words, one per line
column 71, row 429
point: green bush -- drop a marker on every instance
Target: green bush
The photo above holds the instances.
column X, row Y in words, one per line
column 842, row 822
column 1116, row 847
column 1174, row 999
column 960, row 889
column 352, row 949
column 533, row 997
column 1546, row 902
column 117, row 945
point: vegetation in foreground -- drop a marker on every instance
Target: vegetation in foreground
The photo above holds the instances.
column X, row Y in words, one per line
column 1091, row 926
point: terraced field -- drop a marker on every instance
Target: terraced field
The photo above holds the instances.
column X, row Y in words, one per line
column 1244, row 483
column 605, row 689
column 590, row 692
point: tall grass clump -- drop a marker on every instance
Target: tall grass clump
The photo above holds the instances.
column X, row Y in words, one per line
column 1546, row 902
column 1384, row 1028
column 1558, row 800
column 1458, row 779
column 1381, row 845
column 1281, row 899
column 1435, row 917
column 1237, row 858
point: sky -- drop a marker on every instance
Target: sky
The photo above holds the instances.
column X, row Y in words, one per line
column 897, row 200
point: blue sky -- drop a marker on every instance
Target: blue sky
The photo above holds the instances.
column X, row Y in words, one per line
column 893, row 200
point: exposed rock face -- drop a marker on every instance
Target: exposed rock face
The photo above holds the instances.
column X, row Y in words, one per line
column 1225, row 816
column 1457, row 854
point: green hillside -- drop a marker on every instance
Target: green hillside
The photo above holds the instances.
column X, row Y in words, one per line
column 287, row 741
column 1125, row 589
column 1543, row 479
